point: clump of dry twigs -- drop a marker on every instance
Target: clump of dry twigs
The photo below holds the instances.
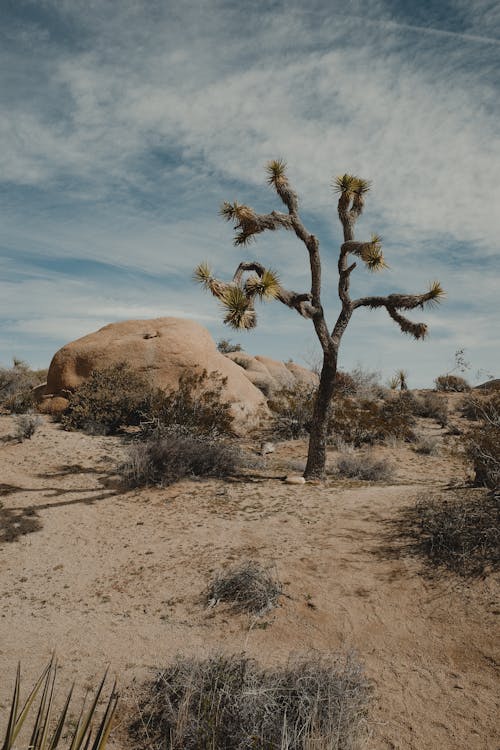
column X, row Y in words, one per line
column 459, row 531
column 248, row 587
column 365, row 466
column 230, row 703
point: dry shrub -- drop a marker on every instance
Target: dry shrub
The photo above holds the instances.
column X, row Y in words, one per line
column 109, row 399
column 247, row 587
column 368, row 422
column 482, row 443
column 427, row 445
column 16, row 386
column 451, row 384
column 231, row 703
column 196, row 405
column 365, row 466
column 119, row 396
column 433, row 406
column 179, row 454
column 26, row 426
column 292, row 410
column 459, row 531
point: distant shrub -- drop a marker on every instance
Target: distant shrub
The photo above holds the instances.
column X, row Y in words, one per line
column 482, row 444
column 247, row 587
column 292, row 410
column 451, row 383
column 345, row 384
column 197, row 405
column 16, row 386
column 433, row 406
column 226, row 347
column 26, row 426
column 365, row 466
column 459, row 531
column 230, row 703
column 179, row 454
column 427, row 445
column 361, row 422
column 472, row 405
column 368, row 384
column 109, row 399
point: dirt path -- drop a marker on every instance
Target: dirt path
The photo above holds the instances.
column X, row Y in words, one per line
column 106, row 576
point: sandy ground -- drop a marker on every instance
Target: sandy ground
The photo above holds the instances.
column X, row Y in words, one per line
column 107, row 576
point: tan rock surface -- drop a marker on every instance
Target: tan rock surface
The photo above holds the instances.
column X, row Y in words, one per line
column 163, row 349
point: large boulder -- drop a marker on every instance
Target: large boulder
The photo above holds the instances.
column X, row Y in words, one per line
column 270, row 375
column 162, row 349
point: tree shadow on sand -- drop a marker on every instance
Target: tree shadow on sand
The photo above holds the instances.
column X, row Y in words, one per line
column 16, row 522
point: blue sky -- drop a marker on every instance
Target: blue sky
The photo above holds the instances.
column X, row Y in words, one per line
column 124, row 124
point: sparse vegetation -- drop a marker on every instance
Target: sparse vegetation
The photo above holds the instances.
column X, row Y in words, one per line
column 247, row 587
column 361, row 422
column 226, row 347
column 26, row 426
column 109, row 399
column 197, row 405
column 292, row 410
column 451, row 384
column 364, row 466
column 433, row 406
column 118, row 396
column 482, row 443
column 230, row 703
column 178, row 454
column 49, row 732
column 16, row 386
column 458, row 531
column 427, row 445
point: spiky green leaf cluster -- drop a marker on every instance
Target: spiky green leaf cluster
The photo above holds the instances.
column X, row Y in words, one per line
column 372, row 254
column 229, row 210
column 239, row 312
column 436, row 293
column 276, row 170
column 203, row 274
column 47, row 731
column 265, row 286
column 350, row 184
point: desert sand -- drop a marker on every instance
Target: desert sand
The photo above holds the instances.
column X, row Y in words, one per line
column 105, row 575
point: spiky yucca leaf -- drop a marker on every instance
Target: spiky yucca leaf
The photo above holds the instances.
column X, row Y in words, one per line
column 345, row 183
column 203, row 275
column 228, row 210
column 239, row 312
column 436, row 293
column 82, row 737
column 265, row 286
column 361, row 186
column 276, row 171
column 373, row 257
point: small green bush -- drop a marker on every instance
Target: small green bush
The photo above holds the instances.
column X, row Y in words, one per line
column 230, row 703
column 109, row 399
column 451, row 383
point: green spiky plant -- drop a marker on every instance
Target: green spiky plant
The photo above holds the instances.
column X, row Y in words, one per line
column 239, row 295
column 48, row 729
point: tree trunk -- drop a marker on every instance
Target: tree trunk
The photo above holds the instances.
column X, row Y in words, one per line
column 316, row 458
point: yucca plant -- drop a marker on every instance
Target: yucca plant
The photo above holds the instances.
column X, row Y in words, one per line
column 238, row 297
column 47, row 728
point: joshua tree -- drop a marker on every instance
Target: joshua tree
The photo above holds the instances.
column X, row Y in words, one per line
column 253, row 281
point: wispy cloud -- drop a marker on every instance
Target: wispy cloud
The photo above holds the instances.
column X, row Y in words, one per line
column 136, row 120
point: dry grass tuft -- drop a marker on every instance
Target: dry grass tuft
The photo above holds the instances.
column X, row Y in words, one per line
column 248, row 587
column 365, row 466
column 230, row 703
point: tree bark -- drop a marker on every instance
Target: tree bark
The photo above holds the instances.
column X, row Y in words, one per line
column 316, row 458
